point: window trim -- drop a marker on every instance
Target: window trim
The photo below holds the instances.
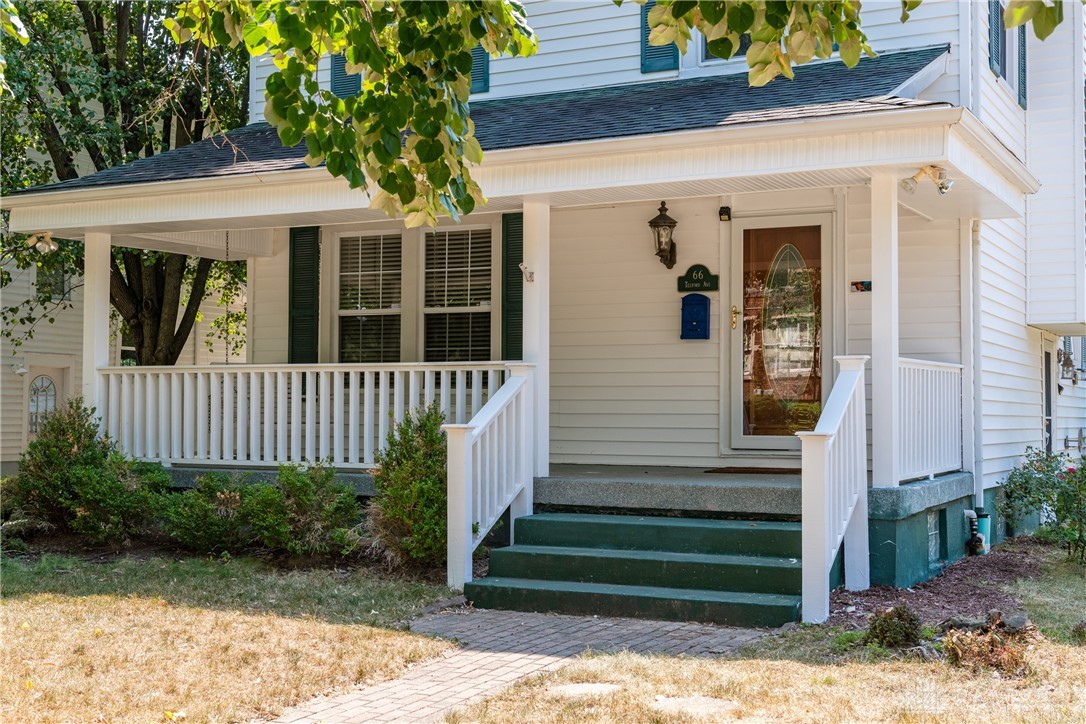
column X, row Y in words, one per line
column 495, row 286
column 413, row 281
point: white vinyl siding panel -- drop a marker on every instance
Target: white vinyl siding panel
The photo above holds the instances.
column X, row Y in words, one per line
column 935, row 22
column 624, row 387
column 1057, row 242
column 269, row 303
column 1011, row 355
column 998, row 100
column 261, row 67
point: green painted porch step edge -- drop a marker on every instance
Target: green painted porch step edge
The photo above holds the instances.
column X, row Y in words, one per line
column 668, row 569
column 687, row 535
column 726, row 608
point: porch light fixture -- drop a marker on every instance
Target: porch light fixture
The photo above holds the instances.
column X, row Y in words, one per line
column 937, row 175
column 43, row 242
column 1067, row 365
column 663, row 226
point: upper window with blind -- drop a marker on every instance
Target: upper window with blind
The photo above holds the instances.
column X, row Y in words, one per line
column 370, row 292
column 457, row 295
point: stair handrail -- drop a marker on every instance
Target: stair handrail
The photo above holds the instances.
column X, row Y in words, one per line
column 490, row 468
column 834, row 492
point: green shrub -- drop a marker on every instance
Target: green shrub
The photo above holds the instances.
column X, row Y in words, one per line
column 73, row 479
column 1031, row 486
column 1069, row 510
column 894, row 628
column 117, row 501
column 209, row 517
column 305, row 513
column 408, row 518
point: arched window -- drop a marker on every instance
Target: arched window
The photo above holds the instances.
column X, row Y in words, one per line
column 43, row 401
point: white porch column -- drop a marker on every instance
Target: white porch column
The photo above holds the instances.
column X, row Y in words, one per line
column 885, row 381
column 537, row 320
column 96, row 253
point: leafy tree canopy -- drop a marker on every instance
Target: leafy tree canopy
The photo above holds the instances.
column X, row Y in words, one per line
column 99, row 84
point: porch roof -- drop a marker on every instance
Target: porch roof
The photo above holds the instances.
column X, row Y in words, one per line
column 821, row 90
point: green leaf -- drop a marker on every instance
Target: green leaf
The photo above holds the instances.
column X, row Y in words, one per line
column 740, row 17
column 429, row 150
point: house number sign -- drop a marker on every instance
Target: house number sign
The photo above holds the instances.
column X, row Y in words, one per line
column 698, row 278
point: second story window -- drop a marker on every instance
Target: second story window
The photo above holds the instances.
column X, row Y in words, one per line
column 1007, row 51
column 708, row 54
column 56, row 283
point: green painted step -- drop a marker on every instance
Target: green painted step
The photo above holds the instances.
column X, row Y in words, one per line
column 608, row 599
column 699, row 571
column 685, row 535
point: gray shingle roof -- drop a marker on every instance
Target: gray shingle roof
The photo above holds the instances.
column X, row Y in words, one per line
column 820, row 90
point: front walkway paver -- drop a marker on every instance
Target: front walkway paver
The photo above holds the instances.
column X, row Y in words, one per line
column 500, row 647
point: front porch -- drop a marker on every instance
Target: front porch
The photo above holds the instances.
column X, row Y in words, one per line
column 835, row 296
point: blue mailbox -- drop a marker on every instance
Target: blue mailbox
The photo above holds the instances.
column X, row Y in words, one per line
column 695, row 323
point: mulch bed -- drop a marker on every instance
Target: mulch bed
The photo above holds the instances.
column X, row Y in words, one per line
column 970, row 587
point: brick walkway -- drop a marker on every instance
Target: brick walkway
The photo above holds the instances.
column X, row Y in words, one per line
column 499, row 647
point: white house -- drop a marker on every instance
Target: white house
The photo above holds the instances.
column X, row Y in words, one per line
column 919, row 217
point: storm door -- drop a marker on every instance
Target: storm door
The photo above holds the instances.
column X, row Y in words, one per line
column 776, row 323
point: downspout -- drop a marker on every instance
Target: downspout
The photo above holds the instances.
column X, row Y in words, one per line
column 978, row 376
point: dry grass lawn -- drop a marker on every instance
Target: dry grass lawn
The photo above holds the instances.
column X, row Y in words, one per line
column 147, row 640
column 811, row 675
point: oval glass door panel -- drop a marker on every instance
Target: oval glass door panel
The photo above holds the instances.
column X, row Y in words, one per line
column 782, row 330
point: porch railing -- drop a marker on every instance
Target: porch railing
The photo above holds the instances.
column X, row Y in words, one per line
column 256, row 415
column 834, row 497
column 931, row 418
column 490, row 469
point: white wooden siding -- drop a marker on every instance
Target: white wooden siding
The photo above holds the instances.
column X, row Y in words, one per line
column 1057, row 235
column 997, row 103
column 1011, row 355
column 269, row 303
column 933, row 23
column 259, row 70
column 624, row 387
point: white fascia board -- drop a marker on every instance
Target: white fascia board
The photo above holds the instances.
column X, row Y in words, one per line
column 891, row 138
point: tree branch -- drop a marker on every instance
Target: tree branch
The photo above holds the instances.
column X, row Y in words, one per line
column 192, row 308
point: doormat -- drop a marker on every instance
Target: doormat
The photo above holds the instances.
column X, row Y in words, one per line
column 757, row 471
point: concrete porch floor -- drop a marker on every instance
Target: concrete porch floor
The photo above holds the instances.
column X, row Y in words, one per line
column 673, row 489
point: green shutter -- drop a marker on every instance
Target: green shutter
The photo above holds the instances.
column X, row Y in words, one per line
column 344, row 84
column 1022, row 66
column 480, row 70
column 304, row 291
column 995, row 37
column 655, row 57
column 512, row 287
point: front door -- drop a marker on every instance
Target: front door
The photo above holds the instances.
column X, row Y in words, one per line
column 777, row 332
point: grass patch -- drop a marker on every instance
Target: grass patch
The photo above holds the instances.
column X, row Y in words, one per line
column 760, row 689
column 1055, row 600
column 131, row 639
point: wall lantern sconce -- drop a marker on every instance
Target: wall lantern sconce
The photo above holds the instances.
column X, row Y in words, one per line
column 663, row 226
column 43, row 242
column 1067, row 366
column 937, row 175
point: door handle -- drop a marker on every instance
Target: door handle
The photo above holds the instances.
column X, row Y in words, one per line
column 735, row 316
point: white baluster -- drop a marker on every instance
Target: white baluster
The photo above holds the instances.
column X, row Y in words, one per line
column 325, row 424
column 281, row 404
column 397, row 396
column 352, row 419
column 338, row 428
column 201, row 415
column 296, row 416
column 382, row 411
column 269, row 417
column 367, row 417
column 189, row 406
column 229, row 383
column 126, row 414
column 215, row 380
column 243, row 416
column 461, row 396
column 255, row 453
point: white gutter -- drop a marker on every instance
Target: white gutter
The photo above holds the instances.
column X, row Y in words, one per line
column 983, row 140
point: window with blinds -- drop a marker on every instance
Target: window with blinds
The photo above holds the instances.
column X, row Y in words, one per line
column 457, row 295
column 370, row 289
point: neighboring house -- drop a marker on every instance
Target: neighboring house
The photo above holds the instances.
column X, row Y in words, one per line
column 645, row 387
column 46, row 370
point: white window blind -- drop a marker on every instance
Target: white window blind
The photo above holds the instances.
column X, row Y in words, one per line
column 370, row 289
column 457, row 295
